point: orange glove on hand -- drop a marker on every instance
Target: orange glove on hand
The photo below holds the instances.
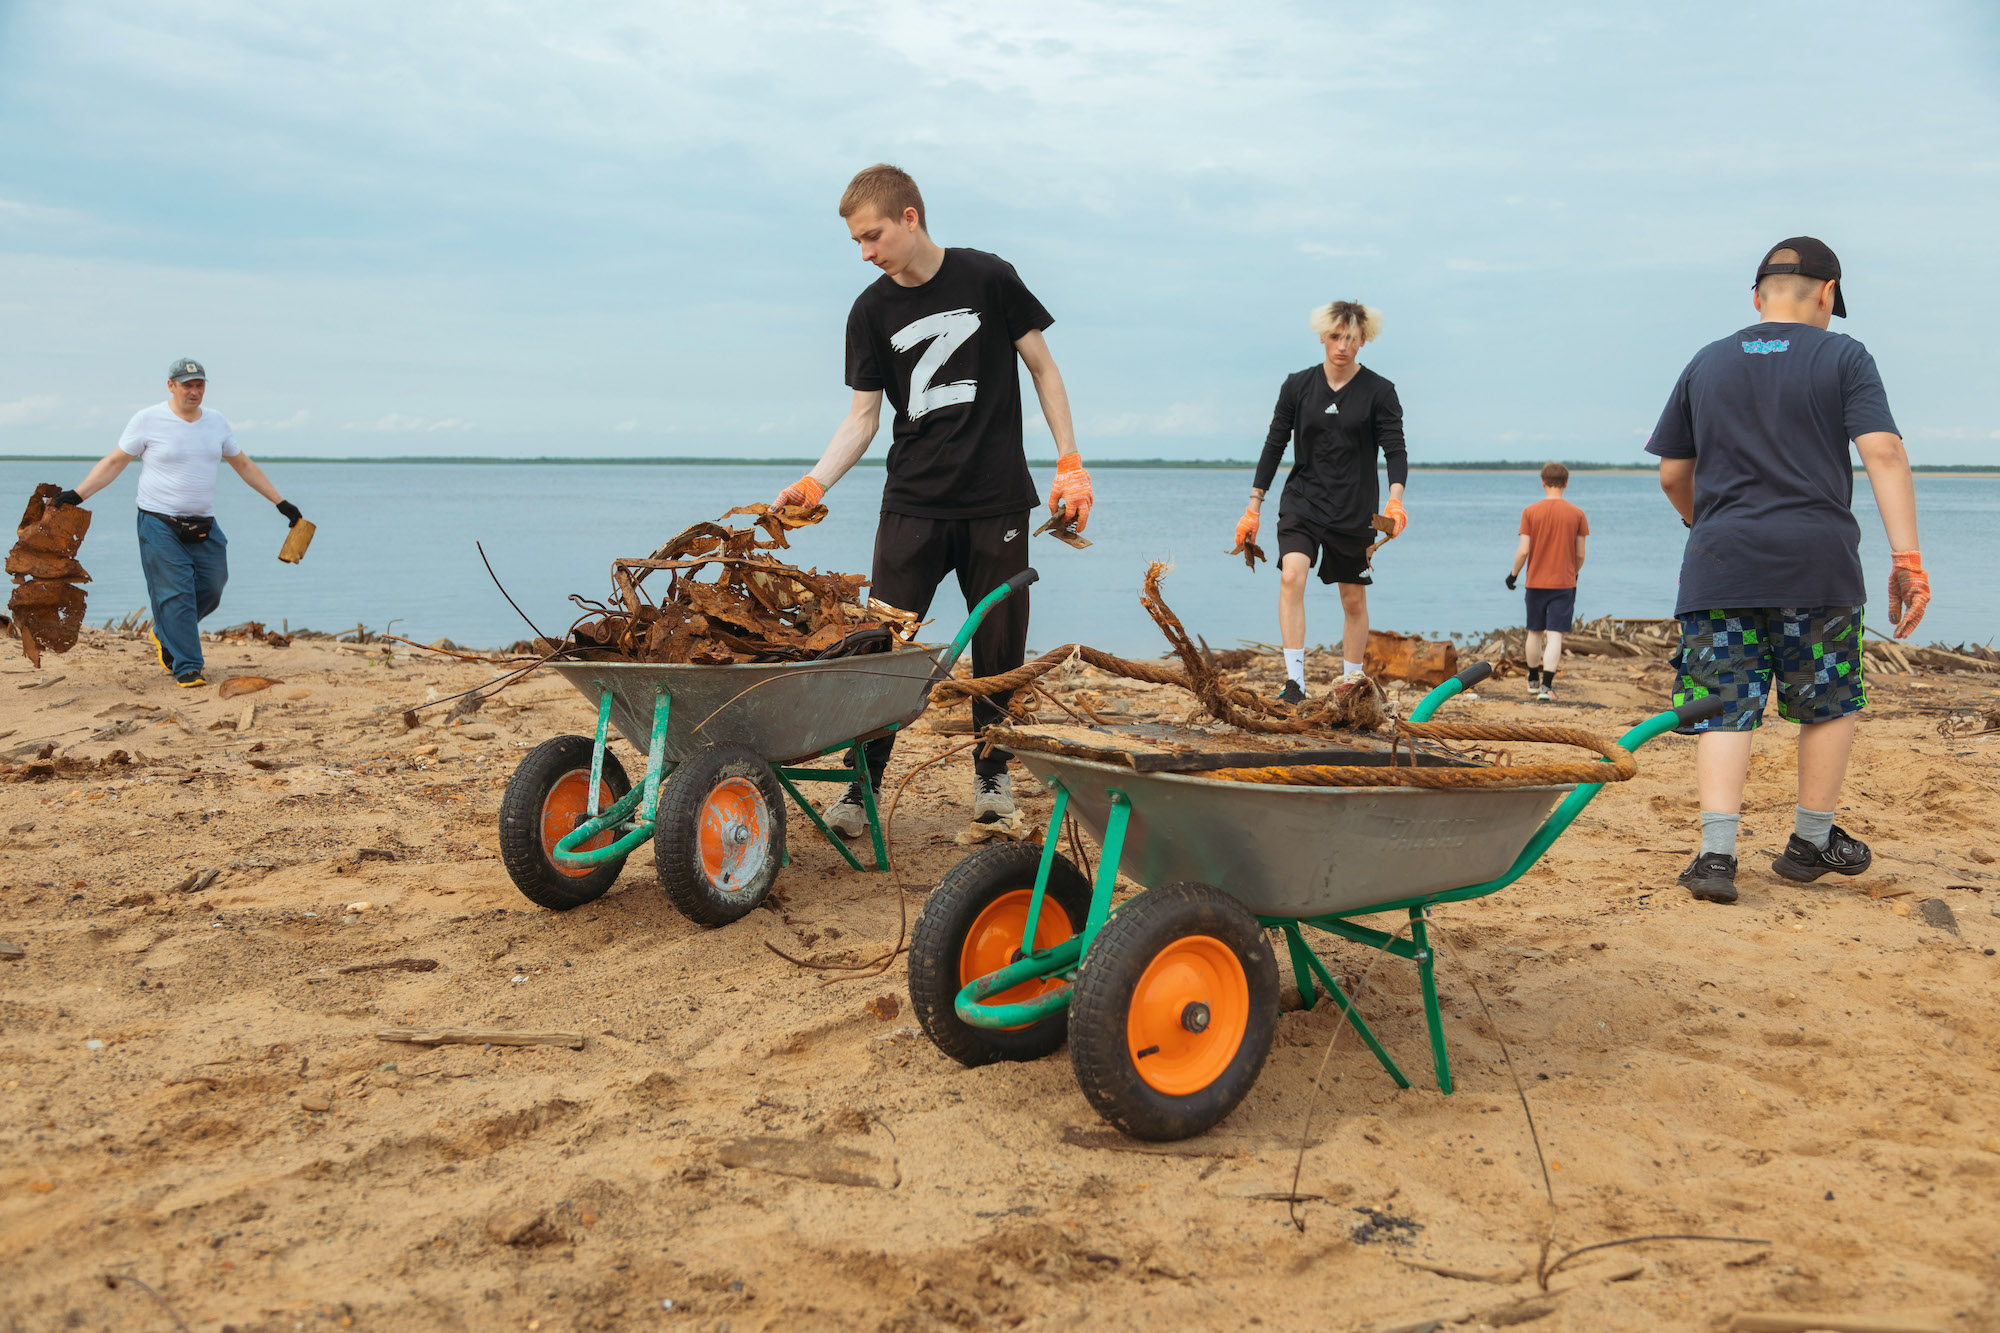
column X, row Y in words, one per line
column 1246, row 528
column 1909, row 590
column 1395, row 513
column 804, row 493
column 1070, row 492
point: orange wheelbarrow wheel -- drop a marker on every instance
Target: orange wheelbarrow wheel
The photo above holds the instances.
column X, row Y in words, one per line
column 719, row 835
column 972, row 926
column 1174, row 1011
column 546, row 799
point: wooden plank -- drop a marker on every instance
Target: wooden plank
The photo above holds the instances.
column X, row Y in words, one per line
column 1748, row 1322
column 481, row 1037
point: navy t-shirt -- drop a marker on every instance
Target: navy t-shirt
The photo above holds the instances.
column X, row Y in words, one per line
column 1767, row 414
column 943, row 353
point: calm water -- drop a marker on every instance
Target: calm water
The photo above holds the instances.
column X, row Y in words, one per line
column 396, row 543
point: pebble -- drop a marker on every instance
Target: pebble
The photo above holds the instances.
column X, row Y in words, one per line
column 315, row 1104
column 359, row 907
column 1936, row 912
column 93, row 1045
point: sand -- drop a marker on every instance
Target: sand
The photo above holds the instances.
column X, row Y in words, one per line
column 192, row 1092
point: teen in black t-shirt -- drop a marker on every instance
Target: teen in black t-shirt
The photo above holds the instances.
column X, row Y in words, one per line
column 938, row 335
column 1337, row 416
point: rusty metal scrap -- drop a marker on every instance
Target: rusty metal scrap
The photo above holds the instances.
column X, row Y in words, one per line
column 753, row 607
column 1063, row 528
column 46, row 608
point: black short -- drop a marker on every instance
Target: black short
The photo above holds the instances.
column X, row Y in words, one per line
column 1551, row 609
column 1342, row 556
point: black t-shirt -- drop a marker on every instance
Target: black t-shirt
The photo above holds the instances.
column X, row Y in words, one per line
column 1335, row 435
column 1767, row 414
column 944, row 355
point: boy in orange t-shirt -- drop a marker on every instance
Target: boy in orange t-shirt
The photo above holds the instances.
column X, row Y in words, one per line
column 1552, row 534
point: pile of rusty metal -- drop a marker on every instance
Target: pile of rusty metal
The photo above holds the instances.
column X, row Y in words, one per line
column 746, row 606
column 46, row 608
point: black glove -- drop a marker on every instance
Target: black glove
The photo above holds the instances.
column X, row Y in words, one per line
column 68, row 498
column 291, row 512
column 1510, row 581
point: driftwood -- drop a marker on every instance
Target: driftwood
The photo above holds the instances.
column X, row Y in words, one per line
column 1656, row 640
column 481, row 1037
column 1747, row 1322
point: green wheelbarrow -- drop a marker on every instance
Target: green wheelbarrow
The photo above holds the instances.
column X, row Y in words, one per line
column 1169, row 1003
column 724, row 746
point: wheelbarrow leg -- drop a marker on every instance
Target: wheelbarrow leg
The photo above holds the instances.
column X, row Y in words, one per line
column 597, row 753
column 1048, row 861
column 1305, row 966
column 857, row 763
column 1107, row 864
column 1427, row 975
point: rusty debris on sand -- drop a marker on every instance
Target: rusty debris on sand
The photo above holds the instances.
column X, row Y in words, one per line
column 755, row 608
column 46, row 608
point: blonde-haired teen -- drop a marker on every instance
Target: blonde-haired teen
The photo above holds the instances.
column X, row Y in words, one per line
column 1337, row 416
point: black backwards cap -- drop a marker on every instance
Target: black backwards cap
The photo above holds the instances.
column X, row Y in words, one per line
column 1815, row 261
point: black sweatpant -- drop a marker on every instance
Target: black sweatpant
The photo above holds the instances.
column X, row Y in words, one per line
column 912, row 556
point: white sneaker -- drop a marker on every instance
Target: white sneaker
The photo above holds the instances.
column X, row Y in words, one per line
column 992, row 799
column 847, row 816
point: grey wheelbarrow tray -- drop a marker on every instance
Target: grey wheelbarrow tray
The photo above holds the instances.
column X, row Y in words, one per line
column 1296, row 856
column 784, row 712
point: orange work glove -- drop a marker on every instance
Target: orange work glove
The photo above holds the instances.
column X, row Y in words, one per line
column 1909, row 590
column 1246, row 527
column 1070, row 492
column 1395, row 513
column 804, row 493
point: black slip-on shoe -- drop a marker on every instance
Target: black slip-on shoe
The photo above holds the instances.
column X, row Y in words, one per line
column 1843, row 855
column 1293, row 695
column 1711, row 877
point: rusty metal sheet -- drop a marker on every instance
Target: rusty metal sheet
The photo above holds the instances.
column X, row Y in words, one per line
column 46, row 607
column 729, row 601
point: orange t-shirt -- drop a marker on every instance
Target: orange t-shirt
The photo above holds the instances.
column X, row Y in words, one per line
column 1552, row 527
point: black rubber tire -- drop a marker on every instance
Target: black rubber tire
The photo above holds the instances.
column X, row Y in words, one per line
column 936, row 944
column 521, row 848
column 677, row 843
column 1101, row 1007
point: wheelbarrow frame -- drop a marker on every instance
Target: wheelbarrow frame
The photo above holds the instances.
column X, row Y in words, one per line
column 1064, row 959
column 632, row 817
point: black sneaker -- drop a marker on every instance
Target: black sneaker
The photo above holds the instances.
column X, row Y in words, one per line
column 1711, row 877
column 1293, row 695
column 1804, row 863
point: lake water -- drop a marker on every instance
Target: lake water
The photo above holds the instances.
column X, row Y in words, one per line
column 395, row 543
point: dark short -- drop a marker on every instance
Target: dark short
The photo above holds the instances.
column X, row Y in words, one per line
column 1342, row 557
column 1551, row 609
column 1812, row 655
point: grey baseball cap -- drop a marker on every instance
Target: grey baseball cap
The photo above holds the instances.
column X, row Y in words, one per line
column 187, row 368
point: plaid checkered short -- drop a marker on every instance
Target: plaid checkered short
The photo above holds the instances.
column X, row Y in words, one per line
column 1813, row 653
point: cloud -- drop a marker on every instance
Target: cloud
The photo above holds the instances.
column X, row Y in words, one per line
column 1173, row 419
column 395, row 423
column 29, row 411
column 1318, row 251
column 296, row 419
column 626, row 427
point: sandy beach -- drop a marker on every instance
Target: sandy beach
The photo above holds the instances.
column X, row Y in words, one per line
column 192, row 1091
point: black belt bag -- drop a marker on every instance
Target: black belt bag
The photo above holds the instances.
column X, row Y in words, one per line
column 187, row 527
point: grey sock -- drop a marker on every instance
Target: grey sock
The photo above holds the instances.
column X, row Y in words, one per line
column 1718, row 832
column 1815, row 826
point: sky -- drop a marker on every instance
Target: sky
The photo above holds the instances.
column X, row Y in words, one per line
column 610, row 229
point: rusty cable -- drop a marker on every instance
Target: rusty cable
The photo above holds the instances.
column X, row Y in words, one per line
column 503, row 590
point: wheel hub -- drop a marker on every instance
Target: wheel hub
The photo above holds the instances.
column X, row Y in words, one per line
column 1195, row 1017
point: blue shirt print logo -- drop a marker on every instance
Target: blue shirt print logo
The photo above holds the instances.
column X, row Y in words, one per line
column 1761, row 347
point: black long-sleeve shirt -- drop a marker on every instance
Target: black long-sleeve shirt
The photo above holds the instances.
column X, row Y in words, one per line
column 1335, row 435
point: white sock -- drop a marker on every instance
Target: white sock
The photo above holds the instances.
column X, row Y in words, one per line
column 1348, row 668
column 1295, row 665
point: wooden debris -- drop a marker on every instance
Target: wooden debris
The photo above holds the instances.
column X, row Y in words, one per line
column 1749, row 1322
column 809, row 1159
column 8, row 950
column 196, row 881
column 1501, row 1278
column 481, row 1037
column 394, row 965
column 236, row 685
column 1406, row 657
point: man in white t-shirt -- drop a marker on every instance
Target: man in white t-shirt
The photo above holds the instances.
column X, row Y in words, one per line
column 182, row 551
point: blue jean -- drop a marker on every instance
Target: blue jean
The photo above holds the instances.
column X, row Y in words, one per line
column 184, row 582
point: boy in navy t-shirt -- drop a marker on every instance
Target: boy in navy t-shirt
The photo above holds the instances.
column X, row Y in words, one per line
column 1753, row 455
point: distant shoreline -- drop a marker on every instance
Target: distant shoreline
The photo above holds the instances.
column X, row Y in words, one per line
column 1153, row 464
